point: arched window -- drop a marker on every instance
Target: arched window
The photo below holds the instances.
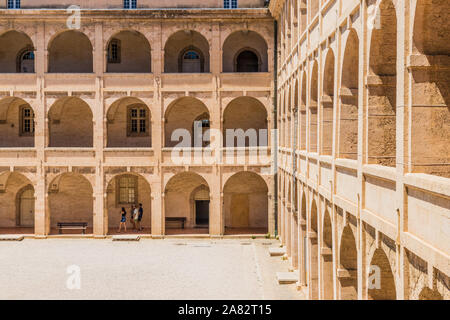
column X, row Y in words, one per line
column 26, row 121
column 25, row 61
column 247, row 61
column 191, row 62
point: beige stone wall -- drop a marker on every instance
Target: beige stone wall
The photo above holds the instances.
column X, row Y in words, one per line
column 369, row 170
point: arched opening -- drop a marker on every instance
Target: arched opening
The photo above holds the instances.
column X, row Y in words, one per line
column 303, row 243
column 382, row 287
column 303, row 114
column 16, row 204
column 245, row 123
column 186, row 51
column 348, row 266
column 128, row 52
column 187, row 204
column 296, row 115
column 129, row 124
column 289, row 118
column 70, row 200
column 186, row 120
column 245, row 204
column 313, row 109
column 244, row 51
column 429, row 67
column 382, row 81
column 348, row 115
column 314, row 255
column 429, row 294
column 70, row 123
column 328, row 105
column 16, row 53
column 327, row 258
column 124, row 191
column 303, row 15
column 70, row 52
column 16, row 123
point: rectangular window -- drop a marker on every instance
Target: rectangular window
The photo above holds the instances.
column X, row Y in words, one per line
column 13, row 4
column 129, row 4
column 230, row 4
column 27, row 123
column 127, row 187
column 114, row 51
column 137, row 121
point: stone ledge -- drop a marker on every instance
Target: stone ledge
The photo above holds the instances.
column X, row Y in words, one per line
column 11, row 237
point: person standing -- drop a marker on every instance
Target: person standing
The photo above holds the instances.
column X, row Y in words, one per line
column 132, row 220
column 123, row 220
column 141, row 214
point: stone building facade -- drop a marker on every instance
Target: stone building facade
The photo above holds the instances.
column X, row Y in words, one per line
column 89, row 113
column 363, row 92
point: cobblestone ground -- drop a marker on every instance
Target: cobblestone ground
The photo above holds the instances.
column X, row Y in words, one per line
column 148, row 269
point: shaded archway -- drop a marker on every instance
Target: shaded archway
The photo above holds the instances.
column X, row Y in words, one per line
column 245, row 123
column 302, row 114
column 382, row 81
column 430, row 71
column 245, row 203
column 70, row 123
column 129, row 124
column 328, row 104
column 184, row 121
column 70, row 199
column 314, row 255
column 348, row 115
column 327, row 258
column 16, row 53
column 128, row 51
column 16, row 123
column 186, row 196
column 244, row 51
column 186, row 51
column 429, row 294
column 348, row 266
column 303, row 242
column 70, row 52
column 384, row 287
column 313, row 101
column 16, row 204
column 125, row 190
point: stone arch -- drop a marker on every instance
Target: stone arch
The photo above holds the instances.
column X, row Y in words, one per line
column 302, row 113
column 128, row 51
column 181, row 115
column 348, row 115
column 129, row 124
column 328, row 103
column 12, row 186
column 70, row 122
column 327, row 257
column 314, row 253
column 244, row 41
column 382, row 81
column 348, row 265
column 13, row 46
column 179, row 200
column 16, row 123
column 429, row 67
column 313, row 116
column 303, row 241
column 245, row 201
column 179, row 43
column 70, row 51
column 245, row 114
column 70, row 199
column 385, row 288
column 124, row 190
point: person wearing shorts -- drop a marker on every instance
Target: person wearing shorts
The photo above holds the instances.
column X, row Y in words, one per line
column 123, row 220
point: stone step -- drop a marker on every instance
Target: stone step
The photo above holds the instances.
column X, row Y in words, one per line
column 11, row 237
column 275, row 251
column 126, row 237
column 287, row 277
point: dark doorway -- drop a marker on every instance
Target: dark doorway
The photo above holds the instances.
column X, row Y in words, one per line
column 247, row 61
column 202, row 212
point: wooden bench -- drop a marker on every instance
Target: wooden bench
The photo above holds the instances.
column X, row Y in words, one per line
column 177, row 219
column 73, row 226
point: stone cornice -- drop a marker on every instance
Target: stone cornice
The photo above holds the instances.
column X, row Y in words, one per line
column 275, row 7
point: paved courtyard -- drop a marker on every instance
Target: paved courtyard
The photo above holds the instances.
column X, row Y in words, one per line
column 148, row 269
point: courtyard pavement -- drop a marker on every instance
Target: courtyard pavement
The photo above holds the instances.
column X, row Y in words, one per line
column 148, row 269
